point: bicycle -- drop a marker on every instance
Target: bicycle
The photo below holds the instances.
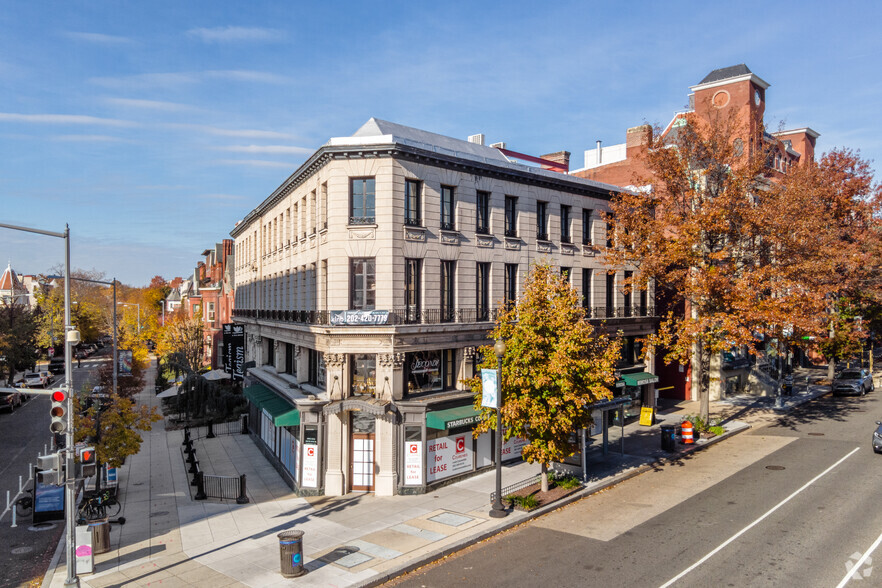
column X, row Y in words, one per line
column 24, row 506
column 99, row 506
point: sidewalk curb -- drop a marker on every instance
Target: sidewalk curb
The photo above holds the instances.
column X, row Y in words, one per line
column 584, row 493
column 49, row 576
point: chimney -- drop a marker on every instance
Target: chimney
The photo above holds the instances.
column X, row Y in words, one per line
column 599, row 152
column 477, row 139
column 637, row 138
column 561, row 157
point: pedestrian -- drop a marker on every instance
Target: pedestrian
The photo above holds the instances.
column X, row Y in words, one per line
column 79, row 359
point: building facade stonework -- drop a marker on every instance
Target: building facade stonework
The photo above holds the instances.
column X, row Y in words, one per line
column 367, row 281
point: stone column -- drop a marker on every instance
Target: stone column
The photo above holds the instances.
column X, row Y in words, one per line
column 335, row 379
column 387, row 476
column 390, row 376
column 337, row 448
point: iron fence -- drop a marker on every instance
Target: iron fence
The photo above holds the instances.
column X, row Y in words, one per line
column 506, row 490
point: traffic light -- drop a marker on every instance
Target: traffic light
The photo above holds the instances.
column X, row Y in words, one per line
column 51, row 469
column 58, row 413
column 88, row 462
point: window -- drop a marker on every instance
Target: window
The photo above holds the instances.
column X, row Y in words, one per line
column 511, row 216
column 627, row 295
column 324, row 206
column 364, row 374
column 586, row 226
column 290, row 359
column 412, row 294
column 430, row 371
column 482, row 213
column 610, row 294
column 565, row 236
column 482, row 293
column 361, row 202
column 270, row 358
column 209, row 308
column 448, row 294
column 566, row 273
column 586, row 290
column 609, row 235
column 363, row 286
column 542, row 221
column 511, row 284
column 317, row 368
column 644, row 302
column 448, row 208
column 412, row 208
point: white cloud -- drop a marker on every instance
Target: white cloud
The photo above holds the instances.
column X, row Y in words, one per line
column 98, row 38
column 238, row 133
column 177, row 79
column 254, row 163
column 244, row 75
column 87, row 138
column 150, row 104
column 233, row 34
column 273, row 149
column 64, row 119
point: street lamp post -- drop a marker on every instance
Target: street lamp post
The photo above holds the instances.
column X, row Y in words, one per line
column 70, row 337
column 498, row 510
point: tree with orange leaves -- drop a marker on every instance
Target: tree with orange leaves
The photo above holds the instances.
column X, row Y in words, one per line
column 734, row 253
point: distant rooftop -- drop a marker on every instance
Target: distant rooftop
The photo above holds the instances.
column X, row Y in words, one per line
column 724, row 73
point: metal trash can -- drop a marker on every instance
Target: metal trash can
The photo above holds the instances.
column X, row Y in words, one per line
column 669, row 438
column 291, row 553
column 100, row 535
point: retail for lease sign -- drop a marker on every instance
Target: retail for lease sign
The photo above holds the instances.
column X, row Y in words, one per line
column 512, row 448
column 310, row 465
column 413, row 463
column 448, row 456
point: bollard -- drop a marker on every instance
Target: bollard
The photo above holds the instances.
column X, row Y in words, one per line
column 13, row 519
column 195, row 479
column 210, row 430
column 192, row 457
column 242, row 499
column 200, row 487
column 244, row 424
column 20, row 487
column 186, row 436
column 194, row 467
column 7, row 499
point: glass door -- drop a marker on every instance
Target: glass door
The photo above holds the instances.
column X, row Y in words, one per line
column 361, row 470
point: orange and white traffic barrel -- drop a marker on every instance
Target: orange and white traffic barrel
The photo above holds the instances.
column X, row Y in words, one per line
column 687, row 430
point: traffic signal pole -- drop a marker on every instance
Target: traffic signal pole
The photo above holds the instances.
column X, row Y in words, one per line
column 69, row 488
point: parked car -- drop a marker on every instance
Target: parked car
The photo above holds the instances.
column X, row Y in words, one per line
column 37, row 379
column 10, row 400
column 877, row 437
column 852, row 381
column 56, row 365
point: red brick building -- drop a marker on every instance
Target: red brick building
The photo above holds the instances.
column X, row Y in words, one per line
column 212, row 293
column 722, row 91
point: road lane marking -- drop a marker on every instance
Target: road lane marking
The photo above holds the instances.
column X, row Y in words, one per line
column 857, row 566
column 757, row 521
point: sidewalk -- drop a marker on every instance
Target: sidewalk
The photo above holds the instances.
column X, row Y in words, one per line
column 173, row 540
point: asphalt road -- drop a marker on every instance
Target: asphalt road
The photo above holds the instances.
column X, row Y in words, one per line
column 790, row 504
column 25, row 550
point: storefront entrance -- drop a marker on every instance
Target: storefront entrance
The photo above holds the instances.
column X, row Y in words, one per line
column 361, row 464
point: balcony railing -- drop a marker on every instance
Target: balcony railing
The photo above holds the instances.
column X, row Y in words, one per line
column 430, row 316
column 542, row 236
column 362, row 220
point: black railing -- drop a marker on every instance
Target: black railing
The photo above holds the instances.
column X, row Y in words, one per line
column 506, row 490
column 362, row 220
column 483, row 230
column 566, row 239
column 212, row 429
column 542, row 236
column 413, row 222
column 448, row 226
column 223, row 487
column 511, row 233
column 429, row 316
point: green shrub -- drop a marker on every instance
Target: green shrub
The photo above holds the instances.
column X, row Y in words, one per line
column 717, row 430
column 567, row 483
column 528, row 502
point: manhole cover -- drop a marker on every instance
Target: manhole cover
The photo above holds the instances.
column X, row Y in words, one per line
column 22, row 550
column 816, row 434
column 776, row 468
column 42, row 527
column 159, row 513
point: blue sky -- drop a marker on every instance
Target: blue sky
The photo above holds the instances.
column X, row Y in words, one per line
column 152, row 127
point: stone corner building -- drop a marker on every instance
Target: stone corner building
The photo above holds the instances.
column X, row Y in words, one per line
column 367, row 281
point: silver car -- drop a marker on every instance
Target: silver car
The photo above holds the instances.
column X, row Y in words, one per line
column 877, row 437
column 852, row 381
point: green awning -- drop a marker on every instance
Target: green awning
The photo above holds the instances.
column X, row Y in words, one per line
column 452, row 418
column 284, row 415
column 639, row 378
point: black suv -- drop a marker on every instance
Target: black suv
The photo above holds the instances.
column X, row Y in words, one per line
column 56, row 365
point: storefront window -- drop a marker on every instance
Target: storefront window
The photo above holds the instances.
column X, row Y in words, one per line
column 424, row 371
column 364, row 374
column 317, row 368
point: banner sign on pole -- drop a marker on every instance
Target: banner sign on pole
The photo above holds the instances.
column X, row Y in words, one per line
column 225, row 357
column 125, row 362
column 237, row 351
column 489, row 389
